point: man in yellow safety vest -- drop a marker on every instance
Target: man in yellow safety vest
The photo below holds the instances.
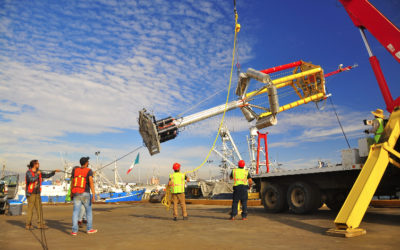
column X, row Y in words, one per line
column 177, row 182
column 377, row 124
column 241, row 183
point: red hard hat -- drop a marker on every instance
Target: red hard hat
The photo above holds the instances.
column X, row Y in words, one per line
column 241, row 164
column 176, row 166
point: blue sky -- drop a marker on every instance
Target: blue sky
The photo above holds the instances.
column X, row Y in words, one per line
column 73, row 75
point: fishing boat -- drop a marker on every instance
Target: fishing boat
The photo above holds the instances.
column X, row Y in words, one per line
column 51, row 193
column 124, row 196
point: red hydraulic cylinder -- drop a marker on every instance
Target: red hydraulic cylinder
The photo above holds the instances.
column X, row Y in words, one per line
column 387, row 96
column 262, row 136
column 281, row 67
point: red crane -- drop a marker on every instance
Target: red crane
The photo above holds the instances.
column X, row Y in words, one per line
column 366, row 17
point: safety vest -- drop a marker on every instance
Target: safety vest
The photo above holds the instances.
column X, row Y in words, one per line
column 32, row 185
column 240, row 176
column 379, row 131
column 177, row 183
column 79, row 180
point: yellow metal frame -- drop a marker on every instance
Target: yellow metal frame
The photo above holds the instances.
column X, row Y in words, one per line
column 353, row 210
column 307, row 81
column 297, row 103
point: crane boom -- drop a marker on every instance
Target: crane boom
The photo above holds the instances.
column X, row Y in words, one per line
column 365, row 16
column 307, row 81
column 202, row 115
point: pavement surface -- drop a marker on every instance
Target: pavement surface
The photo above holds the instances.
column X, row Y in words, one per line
column 150, row 226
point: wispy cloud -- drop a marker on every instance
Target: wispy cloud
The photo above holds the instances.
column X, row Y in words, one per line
column 88, row 67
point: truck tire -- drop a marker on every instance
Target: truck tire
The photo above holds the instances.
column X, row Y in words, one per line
column 303, row 197
column 335, row 201
column 274, row 198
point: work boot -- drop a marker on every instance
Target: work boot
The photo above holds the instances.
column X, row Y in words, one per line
column 185, row 218
column 44, row 226
column 28, row 227
column 175, row 219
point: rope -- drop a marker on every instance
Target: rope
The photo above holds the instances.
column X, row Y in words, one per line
column 166, row 201
column 42, row 230
column 199, row 103
column 237, row 28
column 120, row 158
column 340, row 124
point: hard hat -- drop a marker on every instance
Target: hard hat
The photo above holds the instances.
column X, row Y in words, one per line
column 378, row 113
column 176, row 166
column 241, row 164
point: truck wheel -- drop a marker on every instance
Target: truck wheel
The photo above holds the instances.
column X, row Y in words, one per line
column 335, row 201
column 303, row 197
column 273, row 198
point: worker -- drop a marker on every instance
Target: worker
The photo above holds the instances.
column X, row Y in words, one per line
column 82, row 184
column 33, row 188
column 241, row 183
column 377, row 124
column 177, row 182
column 82, row 217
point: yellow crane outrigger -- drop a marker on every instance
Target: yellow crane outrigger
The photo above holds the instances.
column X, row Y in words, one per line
column 365, row 16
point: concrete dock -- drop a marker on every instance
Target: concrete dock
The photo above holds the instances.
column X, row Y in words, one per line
column 150, row 226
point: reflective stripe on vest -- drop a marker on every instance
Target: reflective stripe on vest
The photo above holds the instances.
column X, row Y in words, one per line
column 240, row 176
column 379, row 131
column 80, row 179
column 32, row 185
column 177, row 183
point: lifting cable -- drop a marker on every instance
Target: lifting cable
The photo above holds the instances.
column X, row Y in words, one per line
column 120, row 158
column 201, row 102
column 340, row 124
column 237, row 29
column 166, row 201
column 42, row 230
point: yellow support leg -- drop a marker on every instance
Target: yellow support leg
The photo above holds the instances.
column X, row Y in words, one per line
column 353, row 210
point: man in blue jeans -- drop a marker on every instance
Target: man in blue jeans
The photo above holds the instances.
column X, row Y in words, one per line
column 82, row 184
column 241, row 183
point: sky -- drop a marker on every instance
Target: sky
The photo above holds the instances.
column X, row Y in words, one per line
column 74, row 74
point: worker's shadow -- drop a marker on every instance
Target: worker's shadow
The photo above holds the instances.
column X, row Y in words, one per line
column 105, row 209
column 210, row 217
column 148, row 216
column 224, row 211
column 17, row 223
column 64, row 227
column 36, row 233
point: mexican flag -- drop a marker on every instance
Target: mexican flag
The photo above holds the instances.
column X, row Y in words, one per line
column 134, row 163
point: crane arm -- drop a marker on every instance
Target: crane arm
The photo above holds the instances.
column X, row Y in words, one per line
column 307, row 80
column 364, row 15
column 155, row 131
